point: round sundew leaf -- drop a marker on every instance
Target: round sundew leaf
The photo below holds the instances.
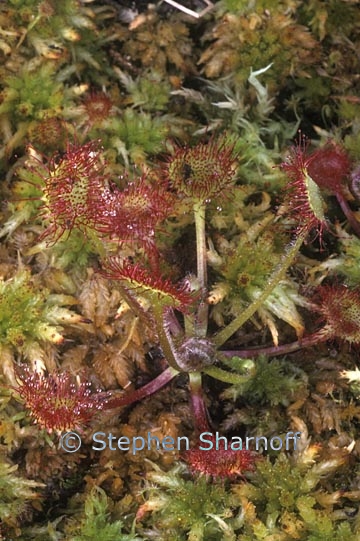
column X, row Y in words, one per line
column 57, row 402
column 305, row 202
column 219, row 461
column 340, row 308
column 205, row 170
column 329, row 166
column 73, row 184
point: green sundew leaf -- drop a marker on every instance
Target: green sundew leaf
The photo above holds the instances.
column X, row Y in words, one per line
column 316, row 202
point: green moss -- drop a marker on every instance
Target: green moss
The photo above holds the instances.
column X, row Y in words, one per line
column 97, row 523
column 29, row 314
column 250, row 264
column 271, row 382
column 32, row 95
column 149, row 92
column 136, row 134
column 285, row 507
column 253, row 41
column 258, row 70
column 188, row 510
column 15, row 493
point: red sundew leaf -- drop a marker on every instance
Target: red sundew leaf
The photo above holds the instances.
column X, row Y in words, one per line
column 134, row 213
column 153, row 286
column 340, row 308
column 221, row 462
column 97, row 106
column 74, row 183
column 303, row 195
column 56, row 402
column 329, row 166
column 203, row 171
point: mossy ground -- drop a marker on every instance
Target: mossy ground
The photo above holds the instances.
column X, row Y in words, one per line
column 143, row 82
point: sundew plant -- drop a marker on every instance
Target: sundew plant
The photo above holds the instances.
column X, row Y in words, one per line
column 180, row 242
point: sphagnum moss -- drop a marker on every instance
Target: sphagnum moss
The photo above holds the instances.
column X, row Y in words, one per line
column 237, row 275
